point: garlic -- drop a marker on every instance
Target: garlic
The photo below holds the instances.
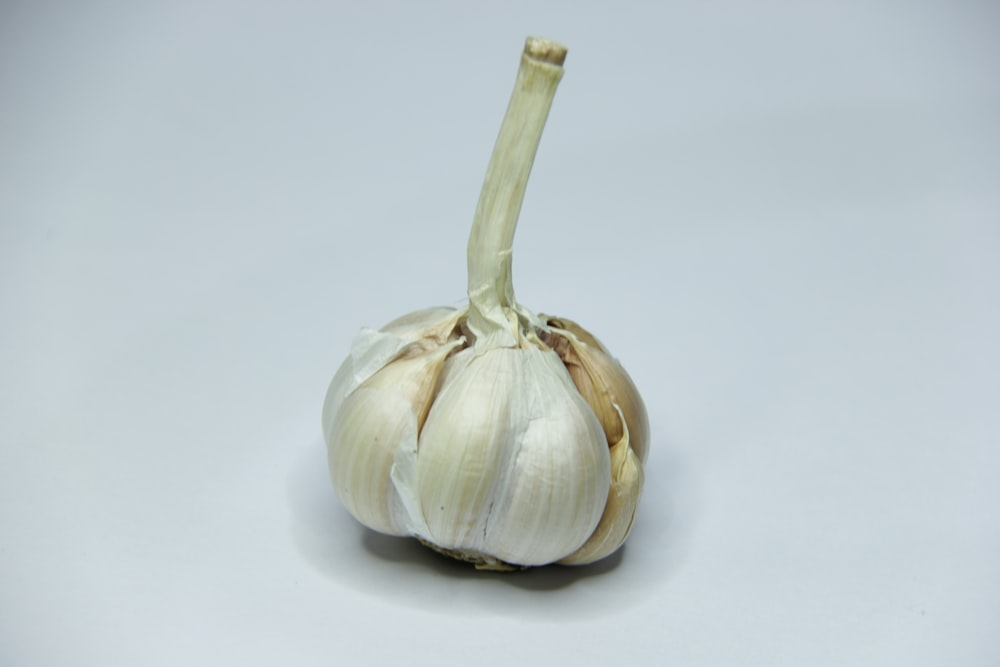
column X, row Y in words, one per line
column 489, row 433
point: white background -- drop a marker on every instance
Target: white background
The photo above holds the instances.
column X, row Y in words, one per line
column 783, row 218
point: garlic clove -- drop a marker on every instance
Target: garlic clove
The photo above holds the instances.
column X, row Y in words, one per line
column 462, row 445
column 556, row 489
column 376, row 420
column 373, row 349
column 604, row 384
column 511, row 464
column 619, row 514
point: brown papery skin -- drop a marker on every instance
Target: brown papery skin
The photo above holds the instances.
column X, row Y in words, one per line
column 602, row 382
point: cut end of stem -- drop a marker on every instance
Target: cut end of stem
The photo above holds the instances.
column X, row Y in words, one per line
column 545, row 50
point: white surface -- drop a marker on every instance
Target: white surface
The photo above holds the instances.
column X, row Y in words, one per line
column 784, row 219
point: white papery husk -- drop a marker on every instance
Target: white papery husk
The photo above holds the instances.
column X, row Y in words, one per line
column 373, row 349
column 377, row 419
column 511, row 463
column 627, row 478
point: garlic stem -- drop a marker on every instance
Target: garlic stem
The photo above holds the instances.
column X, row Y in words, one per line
column 491, row 291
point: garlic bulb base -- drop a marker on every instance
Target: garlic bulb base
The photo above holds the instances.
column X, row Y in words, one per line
column 480, row 560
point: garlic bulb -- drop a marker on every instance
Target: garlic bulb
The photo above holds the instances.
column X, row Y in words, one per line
column 490, row 433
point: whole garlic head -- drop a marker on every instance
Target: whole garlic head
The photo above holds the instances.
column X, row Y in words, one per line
column 491, row 434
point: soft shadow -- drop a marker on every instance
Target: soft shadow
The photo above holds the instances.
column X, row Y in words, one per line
column 404, row 550
column 403, row 571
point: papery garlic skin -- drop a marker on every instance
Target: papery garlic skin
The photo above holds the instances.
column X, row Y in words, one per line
column 516, row 468
column 374, row 421
column 604, row 384
column 490, row 433
column 619, row 513
column 373, row 349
